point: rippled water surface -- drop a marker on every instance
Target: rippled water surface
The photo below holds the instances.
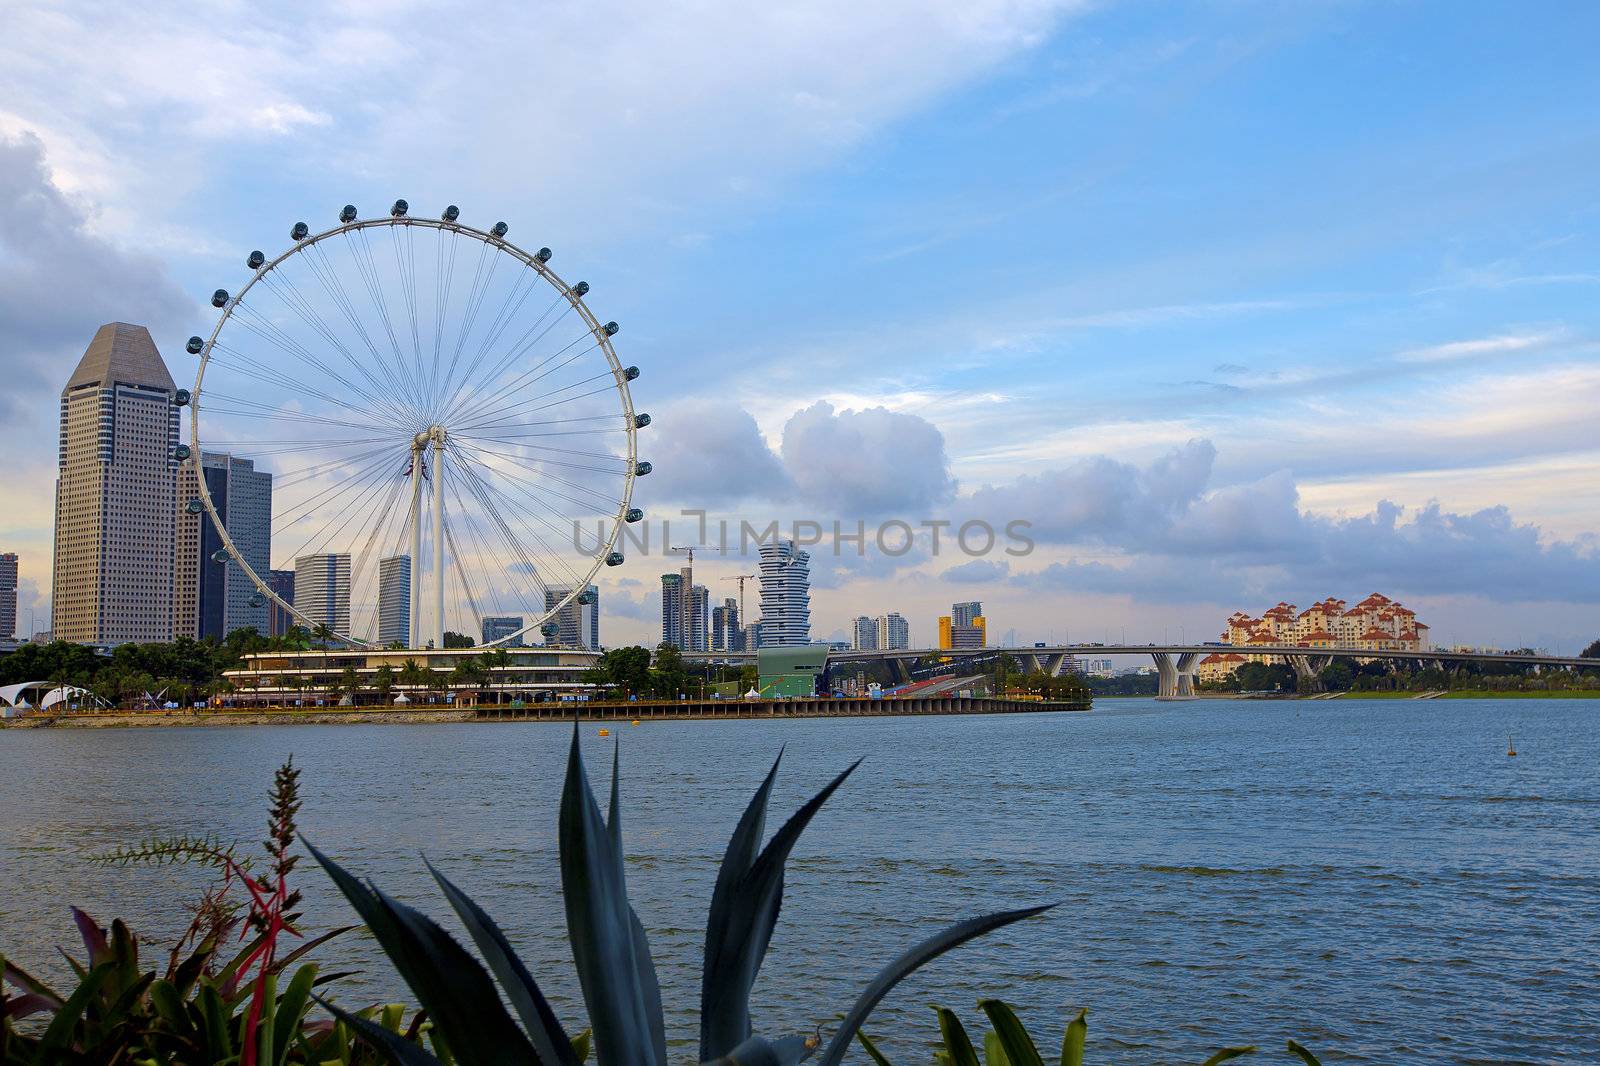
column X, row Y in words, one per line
column 1375, row 878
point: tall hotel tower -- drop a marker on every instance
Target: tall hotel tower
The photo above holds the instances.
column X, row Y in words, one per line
column 114, row 493
column 785, row 594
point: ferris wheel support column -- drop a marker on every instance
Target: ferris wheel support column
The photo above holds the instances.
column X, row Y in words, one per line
column 436, row 434
column 415, row 630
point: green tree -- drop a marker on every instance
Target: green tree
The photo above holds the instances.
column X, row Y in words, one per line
column 323, row 635
column 350, row 683
column 456, row 640
column 1336, row 676
column 414, row 675
column 1591, row 652
column 625, row 671
column 668, row 678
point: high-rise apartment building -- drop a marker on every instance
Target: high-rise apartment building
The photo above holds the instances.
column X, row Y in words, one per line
column 685, row 611
column 279, row 620
column 322, row 590
column 725, row 632
column 115, row 489
column 577, row 624
column 864, row 634
column 894, row 633
column 785, row 594
column 672, row 613
column 699, row 618
column 964, row 627
column 496, row 626
column 212, row 595
column 8, row 595
column 394, row 600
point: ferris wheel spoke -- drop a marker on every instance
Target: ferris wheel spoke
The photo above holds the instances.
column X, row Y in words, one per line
column 469, row 317
column 517, row 350
column 600, row 502
column 290, row 294
column 291, row 478
column 307, row 505
column 251, row 320
column 461, row 577
column 249, row 369
column 359, row 491
column 358, row 565
column 323, row 268
column 527, row 378
column 483, row 550
column 406, row 266
column 508, row 308
column 486, row 493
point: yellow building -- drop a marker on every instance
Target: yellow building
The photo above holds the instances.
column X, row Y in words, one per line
column 954, row 636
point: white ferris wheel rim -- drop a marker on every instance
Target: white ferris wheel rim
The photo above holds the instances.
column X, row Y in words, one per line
column 498, row 243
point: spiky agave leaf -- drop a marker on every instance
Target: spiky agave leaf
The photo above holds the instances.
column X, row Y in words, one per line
column 1072, row 1043
column 544, row 1028
column 395, row 1049
column 448, row 982
column 909, row 962
column 751, row 916
column 743, row 847
column 1229, row 1053
column 957, row 1044
column 1014, row 1039
column 600, row 927
column 649, row 985
column 759, row 1051
column 1301, row 1052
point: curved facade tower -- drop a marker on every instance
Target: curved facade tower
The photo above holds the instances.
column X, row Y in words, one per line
column 785, row 594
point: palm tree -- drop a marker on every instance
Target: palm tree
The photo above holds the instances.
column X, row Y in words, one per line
column 492, row 660
column 383, row 681
column 324, row 635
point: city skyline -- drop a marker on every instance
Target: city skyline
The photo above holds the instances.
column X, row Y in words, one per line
column 1412, row 330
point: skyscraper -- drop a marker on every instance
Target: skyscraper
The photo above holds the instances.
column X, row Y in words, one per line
column 964, row 627
column 725, row 632
column 394, row 600
column 211, row 597
column 114, row 493
column 785, row 594
column 894, row 634
column 278, row 619
column 495, row 626
column 322, row 590
column 8, row 596
column 672, row 594
column 864, row 634
column 578, row 624
column 699, row 618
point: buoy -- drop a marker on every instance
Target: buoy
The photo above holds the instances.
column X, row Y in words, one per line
column 605, row 732
column 636, row 721
column 1511, row 749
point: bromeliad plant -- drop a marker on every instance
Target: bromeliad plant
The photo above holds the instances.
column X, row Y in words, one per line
column 612, row 954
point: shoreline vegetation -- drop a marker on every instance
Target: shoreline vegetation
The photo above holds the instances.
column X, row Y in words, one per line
column 471, row 1008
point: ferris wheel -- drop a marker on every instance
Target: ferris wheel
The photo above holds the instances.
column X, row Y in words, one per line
column 449, row 433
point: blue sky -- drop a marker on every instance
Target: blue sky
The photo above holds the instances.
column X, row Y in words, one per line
column 1199, row 289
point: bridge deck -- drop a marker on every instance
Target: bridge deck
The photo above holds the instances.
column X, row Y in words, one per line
column 817, row 707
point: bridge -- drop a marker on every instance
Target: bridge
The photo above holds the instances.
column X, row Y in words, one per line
column 1175, row 663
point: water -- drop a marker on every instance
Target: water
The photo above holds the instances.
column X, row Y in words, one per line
column 1374, row 878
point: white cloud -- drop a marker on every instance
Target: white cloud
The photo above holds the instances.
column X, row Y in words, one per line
column 1498, row 345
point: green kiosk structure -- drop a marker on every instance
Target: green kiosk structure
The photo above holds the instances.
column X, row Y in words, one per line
column 791, row 671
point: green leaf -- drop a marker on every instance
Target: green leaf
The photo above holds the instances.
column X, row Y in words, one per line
column 957, row 1044
column 544, row 1028
column 58, row 1036
column 395, row 1049
column 580, row 1046
column 993, row 1053
column 1072, row 1043
column 449, row 983
column 600, row 927
column 724, row 1027
column 1014, row 1038
column 1229, row 1053
column 751, row 918
column 291, row 1009
column 1304, row 1054
column 218, row 1024
column 914, row 958
column 872, row 1050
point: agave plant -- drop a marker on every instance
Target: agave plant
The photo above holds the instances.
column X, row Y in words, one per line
column 612, row 953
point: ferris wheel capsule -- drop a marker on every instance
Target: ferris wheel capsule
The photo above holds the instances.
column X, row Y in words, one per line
column 220, row 555
column 451, row 213
column 500, row 229
column 614, row 559
column 180, row 398
column 258, row 600
column 399, row 209
column 300, row 232
column 194, row 507
column 219, row 298
column 255, row 259
column 581, row 288
column 543, row 255
column 641, row 420
column 633, row 515
column 194, row 346
column 181, row 452
column 641, row 468
column 348, row 214
column 630, row 373
column 611, row 329
column 586, row 597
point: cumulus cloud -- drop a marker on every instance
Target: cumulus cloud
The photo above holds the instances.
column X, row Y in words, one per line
column 867, row 462
column 59, row 281
column 707, row 453
column 977, row 571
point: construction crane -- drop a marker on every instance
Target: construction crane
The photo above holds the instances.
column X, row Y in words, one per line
column 744, row 619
